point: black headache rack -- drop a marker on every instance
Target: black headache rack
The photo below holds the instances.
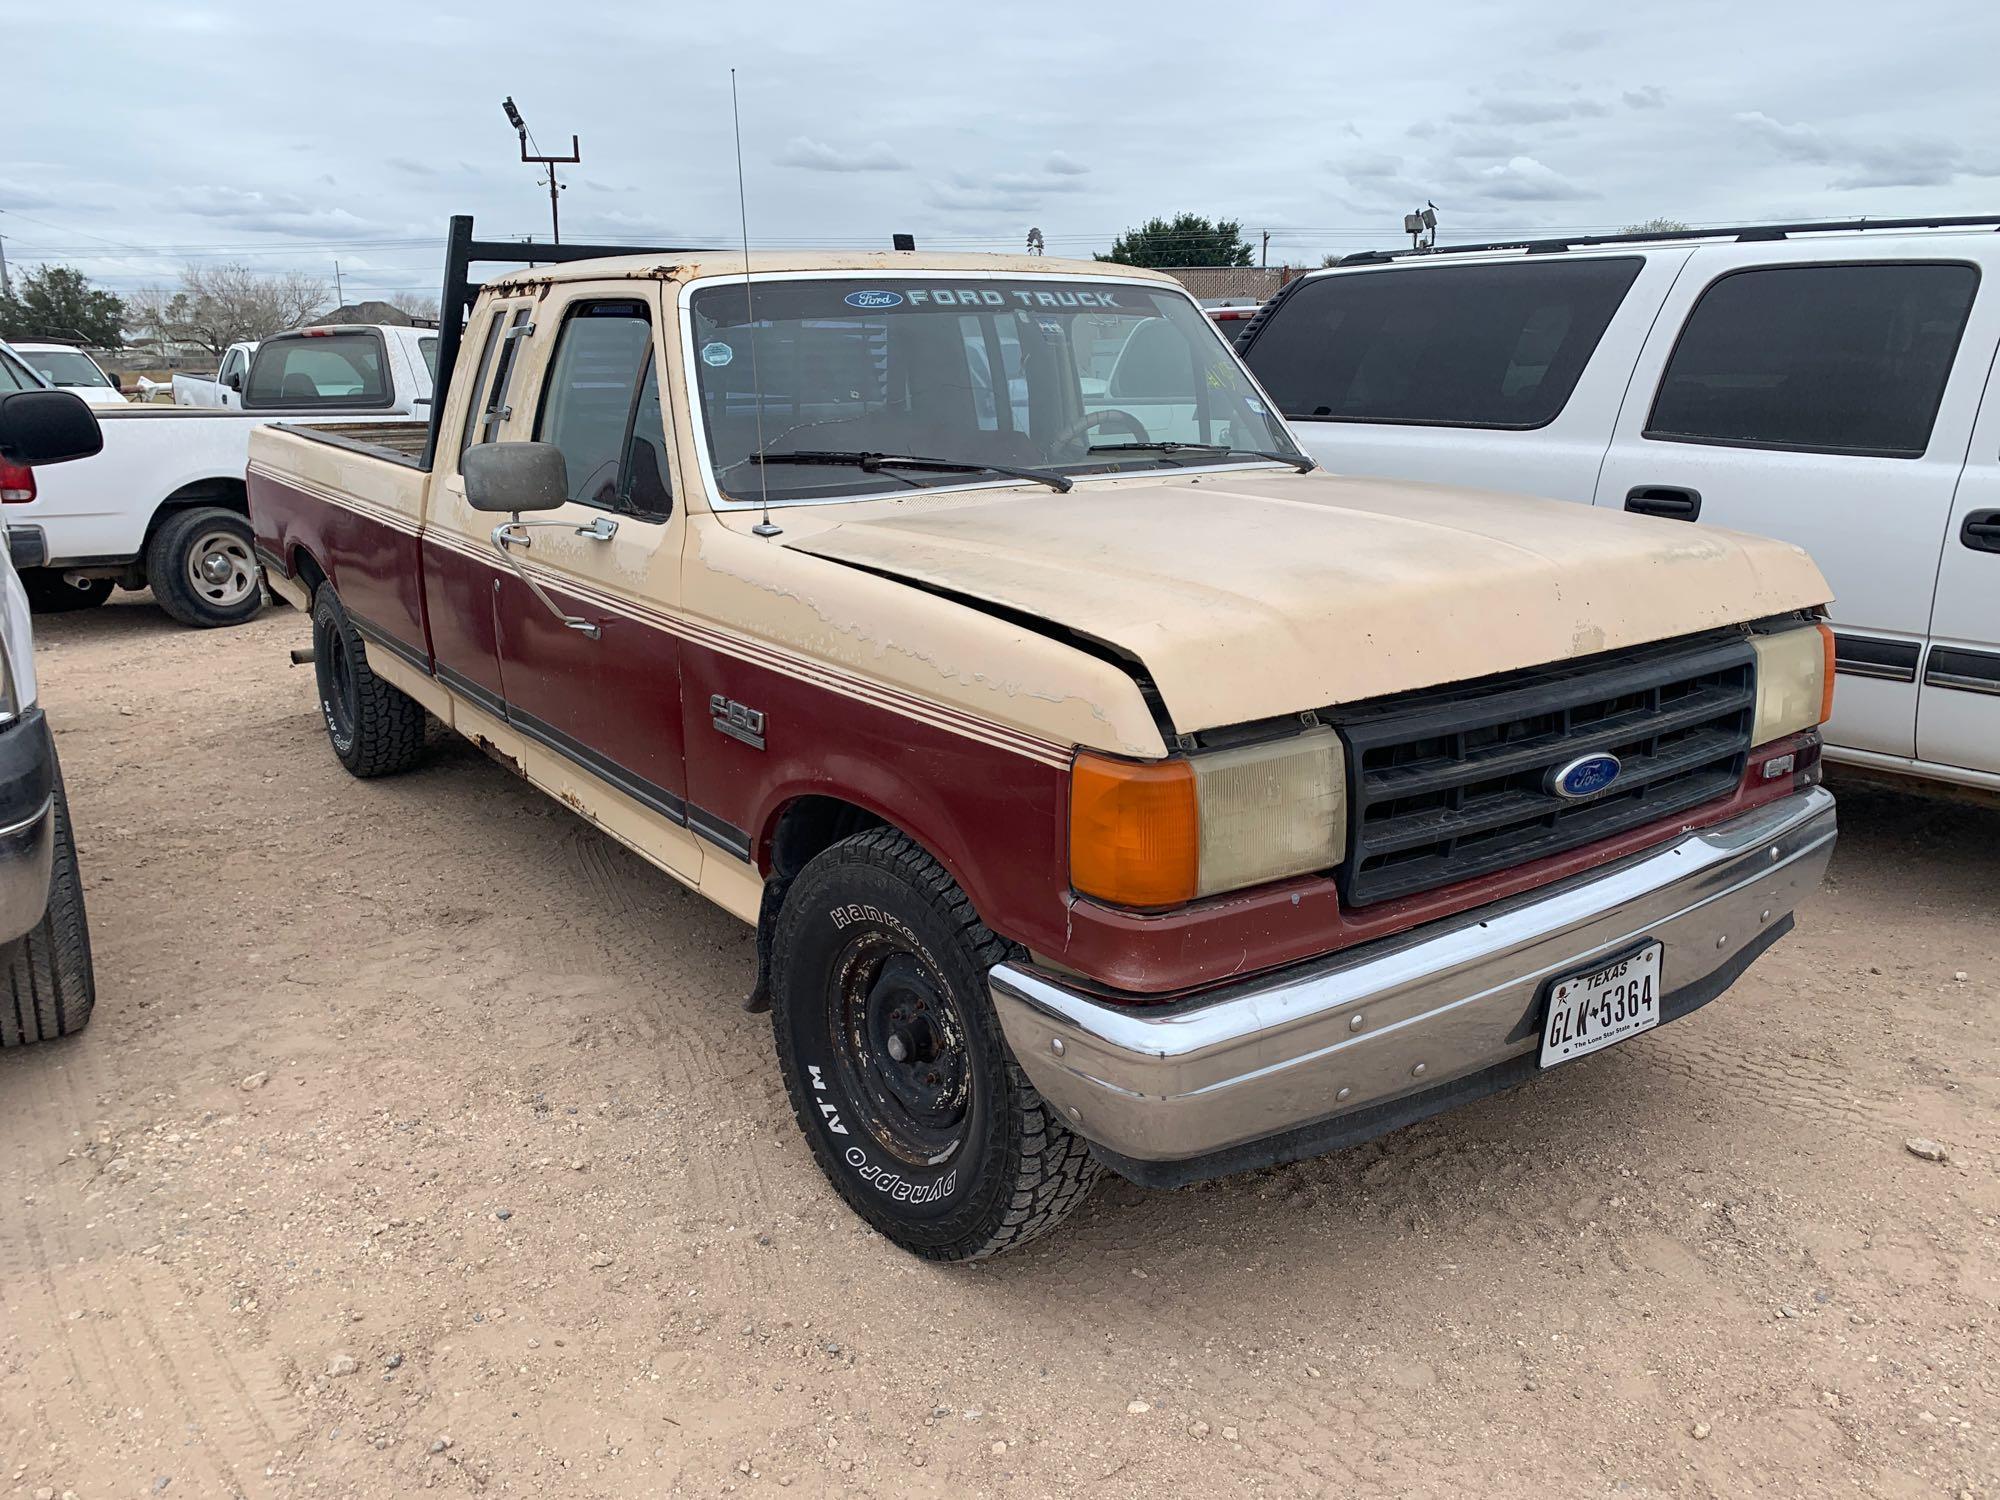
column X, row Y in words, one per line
column 461, row 253
column 1740, row 233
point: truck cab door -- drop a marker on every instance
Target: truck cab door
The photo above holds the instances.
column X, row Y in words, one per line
column 462, row 573
column 1820, row 395
column 1958, row 705
column 590, row 659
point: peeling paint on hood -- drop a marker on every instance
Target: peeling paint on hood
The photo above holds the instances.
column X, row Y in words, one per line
column 1248, row 595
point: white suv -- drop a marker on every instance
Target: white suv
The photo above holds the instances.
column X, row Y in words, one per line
column 1818, row 383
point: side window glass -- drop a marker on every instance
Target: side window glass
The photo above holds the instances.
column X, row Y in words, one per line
column 1825, row 359
column 595, row 383
column 1499, row 344
column 649, row 488
column 475, row 406
column 497, row 411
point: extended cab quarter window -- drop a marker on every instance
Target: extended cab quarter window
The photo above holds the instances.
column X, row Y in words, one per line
column 1488, row 345
column 1828, row 359
column 330, row 369
column 601, row 406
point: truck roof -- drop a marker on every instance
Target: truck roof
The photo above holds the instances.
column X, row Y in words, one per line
column 694, row 264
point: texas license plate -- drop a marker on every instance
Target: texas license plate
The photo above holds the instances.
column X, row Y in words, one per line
column 1591, row 1011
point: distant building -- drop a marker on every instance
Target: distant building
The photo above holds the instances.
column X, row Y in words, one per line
column 372, row 311
column 1231, row 283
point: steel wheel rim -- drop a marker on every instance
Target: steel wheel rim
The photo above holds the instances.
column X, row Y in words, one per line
column 221, row 569
column 899, row 1050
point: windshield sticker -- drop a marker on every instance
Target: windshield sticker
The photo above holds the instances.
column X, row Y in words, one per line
column 874, row 299
column 717, row 354
column 1017, row 297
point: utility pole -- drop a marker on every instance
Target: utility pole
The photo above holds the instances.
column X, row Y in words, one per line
column 521, row 128
column 339, row 296
column 1264, row 255
column 5, row 289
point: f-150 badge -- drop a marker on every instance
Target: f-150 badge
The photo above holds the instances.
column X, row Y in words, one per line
column 737, row 721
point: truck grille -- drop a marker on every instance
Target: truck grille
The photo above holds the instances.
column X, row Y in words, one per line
column 1453, row 783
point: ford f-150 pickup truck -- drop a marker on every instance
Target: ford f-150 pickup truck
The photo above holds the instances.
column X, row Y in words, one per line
column 1106, row 789
column 162, row 506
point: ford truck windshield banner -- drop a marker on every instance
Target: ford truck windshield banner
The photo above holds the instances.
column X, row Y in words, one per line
column 785, row 301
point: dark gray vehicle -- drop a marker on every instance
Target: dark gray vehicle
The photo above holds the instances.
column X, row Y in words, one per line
column 46, row 986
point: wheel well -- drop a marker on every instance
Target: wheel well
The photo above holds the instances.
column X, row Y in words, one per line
column 228, row 493
column 812, row 824
column 805, row 827
column 306, row 568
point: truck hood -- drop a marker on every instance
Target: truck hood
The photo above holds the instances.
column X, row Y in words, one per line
column 1246, row 595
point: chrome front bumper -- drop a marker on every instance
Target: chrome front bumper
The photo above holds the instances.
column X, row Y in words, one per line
column 27, row 854
column 1271, row 1069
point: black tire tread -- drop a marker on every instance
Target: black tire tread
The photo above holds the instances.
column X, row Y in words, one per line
column 47, row 988
column 1056, row 1170
column 389, row 724
column 163, row 568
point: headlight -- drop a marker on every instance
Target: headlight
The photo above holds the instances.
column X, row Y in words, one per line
column 1794, row 682
column 1159, row 833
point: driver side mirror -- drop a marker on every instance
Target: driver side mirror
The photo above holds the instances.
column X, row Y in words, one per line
column 509, row 478
column 47, row 427
column 234, row 380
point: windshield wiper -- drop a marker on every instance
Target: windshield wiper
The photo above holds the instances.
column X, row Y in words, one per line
column 875, row 462
column 1299, row 461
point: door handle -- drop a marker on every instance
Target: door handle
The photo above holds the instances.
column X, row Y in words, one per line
column 1981, row 531
column 509, row 534
column 1670, row 501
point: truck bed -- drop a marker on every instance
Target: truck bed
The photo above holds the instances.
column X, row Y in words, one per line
column 400, row 442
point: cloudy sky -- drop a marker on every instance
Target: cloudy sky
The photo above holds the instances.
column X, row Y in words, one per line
column 144, row 133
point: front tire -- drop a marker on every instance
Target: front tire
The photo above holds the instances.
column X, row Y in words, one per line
column 894, row 1060
column 375, row 729
column 203, row 569
column 49, row 593
column 47, row 988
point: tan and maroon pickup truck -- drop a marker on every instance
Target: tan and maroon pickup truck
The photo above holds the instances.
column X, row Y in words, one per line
column 1106, row 788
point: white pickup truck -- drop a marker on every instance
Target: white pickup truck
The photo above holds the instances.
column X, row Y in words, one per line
column 224, row 389
column 163, row 504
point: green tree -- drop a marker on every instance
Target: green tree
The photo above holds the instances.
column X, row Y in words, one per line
column 1656, row 226
column 1184, row 240
column 58, row 302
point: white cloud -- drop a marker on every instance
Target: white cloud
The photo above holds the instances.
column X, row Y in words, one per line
column 816, row 156
column 1522, row 179
column 1062, row 164
column 1874, row 162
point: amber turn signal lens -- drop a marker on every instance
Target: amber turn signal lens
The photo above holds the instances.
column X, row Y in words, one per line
column 1134, row 833
column 1826, row 690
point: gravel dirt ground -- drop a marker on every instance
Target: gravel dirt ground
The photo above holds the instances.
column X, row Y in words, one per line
column 420, row 1141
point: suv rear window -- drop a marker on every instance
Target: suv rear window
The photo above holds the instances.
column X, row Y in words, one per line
column 1825, row 359
column 1490, row 345
column 333, row 369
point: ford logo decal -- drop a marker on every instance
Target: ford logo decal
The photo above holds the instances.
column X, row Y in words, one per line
column 873, row 299
column 1585, row 776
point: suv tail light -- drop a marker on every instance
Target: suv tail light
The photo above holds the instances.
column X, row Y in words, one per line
column 17, row 483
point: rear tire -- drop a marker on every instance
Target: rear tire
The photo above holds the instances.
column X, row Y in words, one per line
column 203, row 569
column 47, row 988
column 375, row 729
column 50, row 594
column 894, row 1060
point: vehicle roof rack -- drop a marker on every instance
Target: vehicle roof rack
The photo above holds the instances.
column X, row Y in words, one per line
column 461, row 253
column 1741, row 233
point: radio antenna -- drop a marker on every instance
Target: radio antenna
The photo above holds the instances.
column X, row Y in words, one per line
column 763, row 527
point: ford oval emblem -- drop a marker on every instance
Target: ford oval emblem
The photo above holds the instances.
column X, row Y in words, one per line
column 873, row 299
column 1585, row 776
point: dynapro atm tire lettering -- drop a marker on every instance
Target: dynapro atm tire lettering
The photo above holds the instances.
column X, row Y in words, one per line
column 895, row 1184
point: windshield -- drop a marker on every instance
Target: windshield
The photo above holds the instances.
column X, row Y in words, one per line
column 64, row 367
column 1021, row 372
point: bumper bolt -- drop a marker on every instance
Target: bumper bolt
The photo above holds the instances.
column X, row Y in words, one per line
column 1354, row 1022
column 1722, row 941
column 1419, row 1070
column 1056, row 1046
column 1341, row 1097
